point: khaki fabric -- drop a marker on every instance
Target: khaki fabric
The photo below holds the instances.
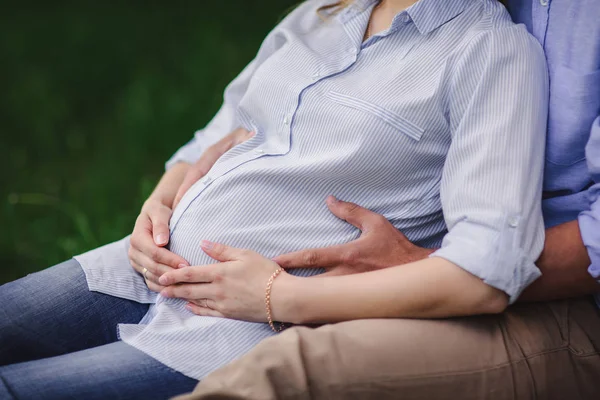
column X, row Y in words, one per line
column 532, row 351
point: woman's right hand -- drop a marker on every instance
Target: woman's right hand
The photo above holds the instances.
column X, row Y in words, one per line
column 151, row 232
column 150, row 235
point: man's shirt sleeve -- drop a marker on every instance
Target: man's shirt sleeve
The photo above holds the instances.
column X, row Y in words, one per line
column 589, row 220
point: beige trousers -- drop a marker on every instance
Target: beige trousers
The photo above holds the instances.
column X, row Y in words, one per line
column 532, row 351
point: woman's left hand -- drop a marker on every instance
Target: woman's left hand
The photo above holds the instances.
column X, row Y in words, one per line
column 234, row 288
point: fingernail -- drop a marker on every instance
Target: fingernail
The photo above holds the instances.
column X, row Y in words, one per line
column 188, row 306
column 331, row 200
column 161, row 238
column 182, row 266
column 163, row 280
column 206, row 244
column 251, row 134
column 164, row 293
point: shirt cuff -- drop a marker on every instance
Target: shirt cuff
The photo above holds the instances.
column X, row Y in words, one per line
column 589, row 226
column 187, row 154
column 496, row 257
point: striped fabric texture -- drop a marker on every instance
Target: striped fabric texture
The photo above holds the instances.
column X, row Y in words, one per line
column 438, row 123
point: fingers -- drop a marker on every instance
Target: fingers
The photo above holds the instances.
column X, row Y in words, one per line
column 352, row 213
column 144, row 243
column 160, row 225
column 154, row 287
column 205, row 303
column 189, row 291
column 221, row 252
column 336, row 256
column 196, row 274
column 137, row 267
column 144, row 261
column 203, row 311
column 149, row 278
column 239, row 136
column 327, row 257
column 209, row 158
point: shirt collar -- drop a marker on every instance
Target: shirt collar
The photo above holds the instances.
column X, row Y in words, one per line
column 427, row 15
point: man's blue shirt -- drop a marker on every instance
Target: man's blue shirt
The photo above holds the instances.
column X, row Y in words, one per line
column 569, row 31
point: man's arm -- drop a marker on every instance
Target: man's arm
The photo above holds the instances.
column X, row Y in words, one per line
column 564, row 261
column 570, row 262
column 564, row 264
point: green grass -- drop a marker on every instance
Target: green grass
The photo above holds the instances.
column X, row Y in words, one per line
column 94, row 98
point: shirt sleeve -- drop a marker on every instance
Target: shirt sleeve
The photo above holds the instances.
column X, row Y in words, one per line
column 491, row 184
column 589, row 220
column 224, row 121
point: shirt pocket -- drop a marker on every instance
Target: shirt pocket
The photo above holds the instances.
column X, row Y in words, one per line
column 389, row 117
column 574, row 104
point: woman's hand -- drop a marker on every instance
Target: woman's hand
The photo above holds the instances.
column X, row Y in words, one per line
column 147, row 254
column 150, row 235
column 234, row 288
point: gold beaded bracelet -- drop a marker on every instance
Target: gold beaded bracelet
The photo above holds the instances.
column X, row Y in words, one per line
column 268, row 302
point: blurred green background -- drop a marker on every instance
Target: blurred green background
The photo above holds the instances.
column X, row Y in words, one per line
column 94, row 98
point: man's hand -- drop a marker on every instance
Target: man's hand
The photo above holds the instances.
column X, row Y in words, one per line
column 150, row 235
column 209, row 158
column 380, row 245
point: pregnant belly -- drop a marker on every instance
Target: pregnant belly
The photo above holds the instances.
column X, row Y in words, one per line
column 253, row 212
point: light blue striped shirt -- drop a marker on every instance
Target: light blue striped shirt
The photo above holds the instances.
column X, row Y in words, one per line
column 438, row 123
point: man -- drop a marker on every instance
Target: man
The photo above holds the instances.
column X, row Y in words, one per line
column 548, row 349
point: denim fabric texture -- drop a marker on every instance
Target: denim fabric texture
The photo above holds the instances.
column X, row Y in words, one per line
column 59, row 340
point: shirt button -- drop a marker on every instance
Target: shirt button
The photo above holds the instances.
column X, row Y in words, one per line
column 259, row 151
column 286, row 120
column 513, row 222
column 206, row 180
column 316, row 76
column 406, row 17
column 544, row 2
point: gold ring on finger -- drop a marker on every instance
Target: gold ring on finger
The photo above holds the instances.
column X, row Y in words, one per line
column 145, row 272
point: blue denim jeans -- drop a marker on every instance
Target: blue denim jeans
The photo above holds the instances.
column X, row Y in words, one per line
column 58, row 340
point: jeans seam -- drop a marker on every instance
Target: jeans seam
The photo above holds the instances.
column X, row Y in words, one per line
column 8, row 389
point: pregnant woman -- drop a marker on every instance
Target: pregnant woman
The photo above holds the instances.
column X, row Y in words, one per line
column 431, row 113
